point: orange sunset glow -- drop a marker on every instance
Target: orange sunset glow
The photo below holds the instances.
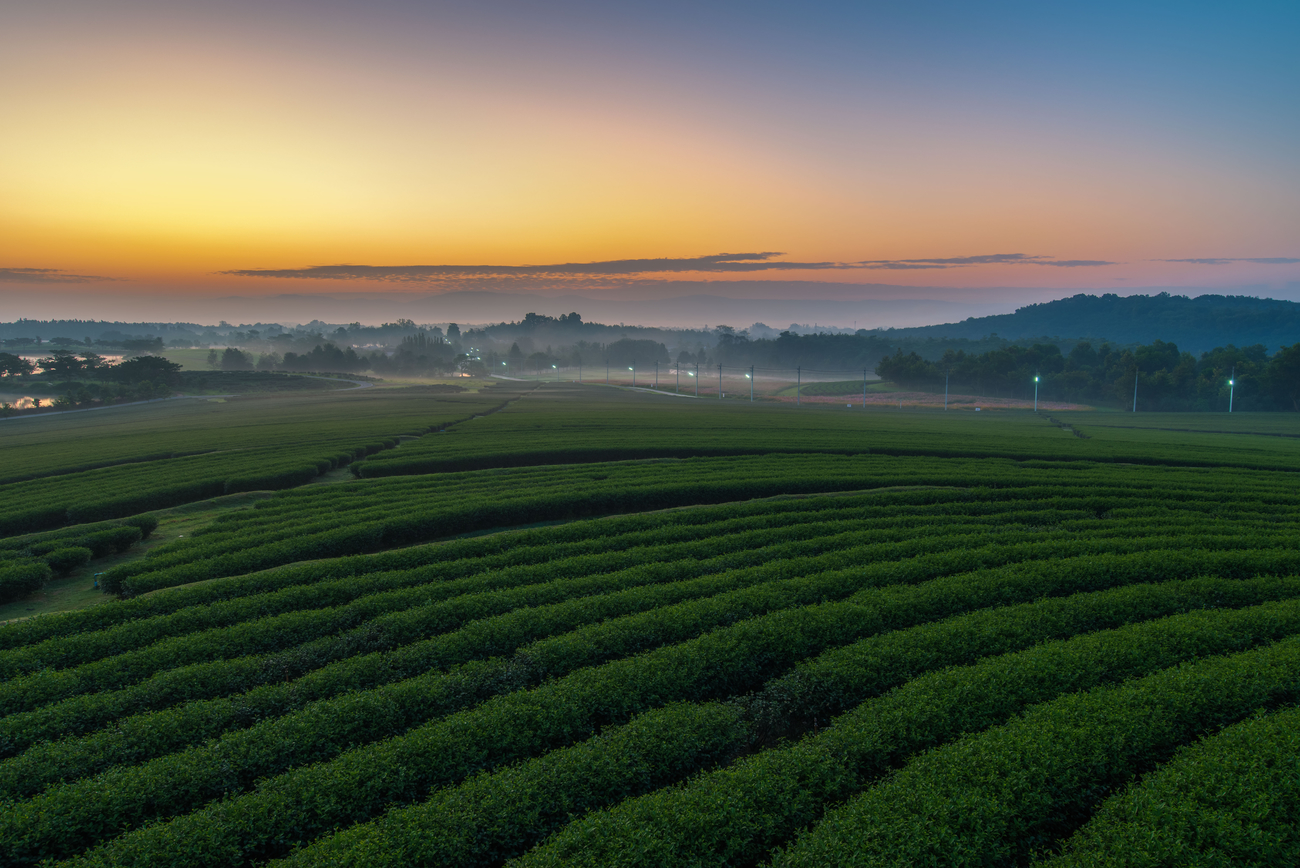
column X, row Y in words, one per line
column 190, row 150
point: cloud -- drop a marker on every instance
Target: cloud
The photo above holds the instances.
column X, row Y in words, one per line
column 46, row 275
column 720, row 263
column 989, row 259
column 1262, row 260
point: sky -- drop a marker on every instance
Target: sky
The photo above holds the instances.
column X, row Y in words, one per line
column 191, row 154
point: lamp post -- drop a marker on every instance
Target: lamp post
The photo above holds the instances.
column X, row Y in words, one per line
column 633, row 370
column 1035, row 393
column 656, row 375
column 1135, row 390
column 946, row 375
column 864, row 388
column 696, row 375
column 719, row 382
column 751, row 383
column 1232, row 386
column 798, row 386
column 679, row 378
column 606, row 372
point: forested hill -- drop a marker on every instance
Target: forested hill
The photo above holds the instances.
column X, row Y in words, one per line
column 1196, row 325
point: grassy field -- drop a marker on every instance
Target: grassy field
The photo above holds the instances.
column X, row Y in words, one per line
column 122, row 460
column 583, row 625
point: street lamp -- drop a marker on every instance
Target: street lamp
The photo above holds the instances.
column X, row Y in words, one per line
column 1035, row 393
column 1231, row 388
column 750, row 377
column 633, row 370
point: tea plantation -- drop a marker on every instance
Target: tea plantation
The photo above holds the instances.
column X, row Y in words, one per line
column 588, row 626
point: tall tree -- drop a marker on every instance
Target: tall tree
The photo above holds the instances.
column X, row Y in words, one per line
column 154, row 369
column 13, row 365
column 235, row 360
column 1284, row 376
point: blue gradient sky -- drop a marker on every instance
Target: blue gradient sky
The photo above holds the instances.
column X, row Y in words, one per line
column 201, row 149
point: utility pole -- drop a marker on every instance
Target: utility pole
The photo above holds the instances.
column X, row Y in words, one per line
column 1135, row 390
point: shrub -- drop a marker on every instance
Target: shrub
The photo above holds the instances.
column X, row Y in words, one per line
column 146, row 523
column 19, row 580
column 64, row 561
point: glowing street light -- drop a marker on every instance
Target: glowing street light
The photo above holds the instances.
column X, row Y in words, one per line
column 633, row 370
column 1035, row 393
column 1231, row 388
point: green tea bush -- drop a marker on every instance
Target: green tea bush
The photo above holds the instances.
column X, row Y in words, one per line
column 1230, row 799
column 18, row 579
column 65, row 560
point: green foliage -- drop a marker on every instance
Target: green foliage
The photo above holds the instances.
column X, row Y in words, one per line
column 562, row 424
column 1165, row 378
column 1004, row 794
column 63, row 477
column 65, row 560
column 154, row 369
column 735, row 815
column 1230, row 799
column 810, row 635
column 18, row 579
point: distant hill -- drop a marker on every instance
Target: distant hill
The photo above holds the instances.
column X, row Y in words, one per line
column 1196, row 325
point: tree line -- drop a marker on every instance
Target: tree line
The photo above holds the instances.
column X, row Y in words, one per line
column 88, row 378
column 1164, row 377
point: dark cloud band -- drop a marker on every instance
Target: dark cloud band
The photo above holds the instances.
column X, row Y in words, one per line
column 1261, row 260
column 724, row 263
column 46, row 275
column 721, row 262
column 990, row 259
